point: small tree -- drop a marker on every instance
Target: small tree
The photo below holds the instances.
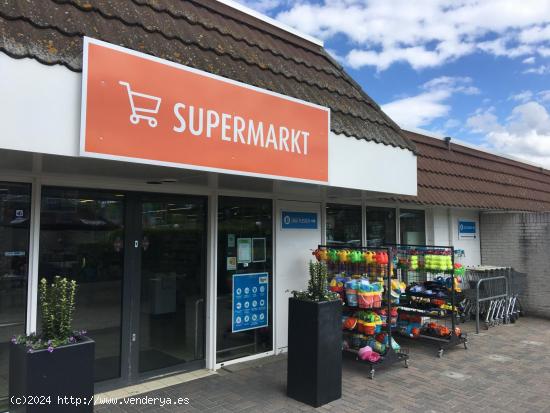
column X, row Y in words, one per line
column 57, row 302
column 317, row 287
column 57, row 305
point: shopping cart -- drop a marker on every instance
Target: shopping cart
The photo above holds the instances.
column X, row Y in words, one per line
column 139, row 112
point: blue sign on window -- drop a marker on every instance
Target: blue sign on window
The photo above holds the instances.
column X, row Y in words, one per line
column 466, row 228
column 299, row 220
column 250, row 301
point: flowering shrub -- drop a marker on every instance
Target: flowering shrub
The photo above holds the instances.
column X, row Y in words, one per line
column 57, row 305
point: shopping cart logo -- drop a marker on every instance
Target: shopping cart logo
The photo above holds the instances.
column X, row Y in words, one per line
column 143, row 106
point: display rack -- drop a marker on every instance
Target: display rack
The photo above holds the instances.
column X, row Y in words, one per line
column 430, row 306
column 360, row 264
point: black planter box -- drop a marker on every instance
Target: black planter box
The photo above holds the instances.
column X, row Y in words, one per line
column 314, row 351
column 44, row 379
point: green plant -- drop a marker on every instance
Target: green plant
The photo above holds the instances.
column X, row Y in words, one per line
column 57, row 305
column 317, row 287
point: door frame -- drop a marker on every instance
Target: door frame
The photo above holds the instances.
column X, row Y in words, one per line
column 132, row 289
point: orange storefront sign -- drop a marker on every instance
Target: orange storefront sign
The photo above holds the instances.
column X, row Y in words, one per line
column 139, row 108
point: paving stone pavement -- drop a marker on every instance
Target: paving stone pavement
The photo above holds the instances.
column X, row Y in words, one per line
column 505, row 369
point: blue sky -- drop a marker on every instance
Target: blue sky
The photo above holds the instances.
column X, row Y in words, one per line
column 475, row 70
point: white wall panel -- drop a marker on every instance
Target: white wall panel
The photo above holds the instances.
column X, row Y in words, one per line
column 359, row 164
column 39, row 107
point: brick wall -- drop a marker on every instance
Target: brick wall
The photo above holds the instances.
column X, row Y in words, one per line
column 521, row 241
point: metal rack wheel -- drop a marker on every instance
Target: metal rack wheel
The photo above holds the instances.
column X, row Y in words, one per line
column 440, row 353
column 371, row 373
column 406, row 363
column 465, row 344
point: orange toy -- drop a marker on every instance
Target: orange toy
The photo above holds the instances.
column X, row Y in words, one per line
column 350, row 323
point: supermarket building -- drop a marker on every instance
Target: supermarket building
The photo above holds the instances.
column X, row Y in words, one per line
column 259, row 148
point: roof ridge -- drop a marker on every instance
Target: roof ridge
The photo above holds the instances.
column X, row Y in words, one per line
column 213, row 10
column 262, row 47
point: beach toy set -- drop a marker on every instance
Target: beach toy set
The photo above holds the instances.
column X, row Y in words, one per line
column 353, row 261
column 361, row 278
column 432, row 302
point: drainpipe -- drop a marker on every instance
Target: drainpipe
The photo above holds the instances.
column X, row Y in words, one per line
column 450, row 221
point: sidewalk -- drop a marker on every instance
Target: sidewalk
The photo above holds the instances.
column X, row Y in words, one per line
column 505, row 369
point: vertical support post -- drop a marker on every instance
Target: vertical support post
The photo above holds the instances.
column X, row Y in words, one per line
column 363, row 223
column 508, row 279
column 398, row 239
column 388, row 293
column 477, row 306
column 34, row 244
column 211, row 281
column 323, row 217
column 453, row 321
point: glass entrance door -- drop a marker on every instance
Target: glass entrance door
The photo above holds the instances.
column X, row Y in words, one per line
column 172, row 282
column 140, row 264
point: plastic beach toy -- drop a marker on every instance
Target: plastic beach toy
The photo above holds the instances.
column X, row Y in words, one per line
column 364, row 353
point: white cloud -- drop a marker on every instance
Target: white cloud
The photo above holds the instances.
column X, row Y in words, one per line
column 425, row 33
column 525, row 133
column 529, row 60
column 451, row 124
column 523, row 96
column 535, row 34
column 544, row 95
column 539, row 70
column 432, row 103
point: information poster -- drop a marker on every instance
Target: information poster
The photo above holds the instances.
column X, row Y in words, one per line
column 298, row 220
column 244, row 250
column 466, row 229
column 250, row 301
column 231, row 263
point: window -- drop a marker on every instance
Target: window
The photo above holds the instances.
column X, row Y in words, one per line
column 15, row 211
column 82, row 238
column 344, row 224
column 380, row 226
column 412, row 226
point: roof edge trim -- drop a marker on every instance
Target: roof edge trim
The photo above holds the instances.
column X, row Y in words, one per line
column 246, row 10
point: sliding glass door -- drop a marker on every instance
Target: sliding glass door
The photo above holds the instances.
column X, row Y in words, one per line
column 173, row 278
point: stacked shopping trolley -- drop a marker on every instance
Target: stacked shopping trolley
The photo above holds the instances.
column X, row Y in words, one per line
column 492, row 295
